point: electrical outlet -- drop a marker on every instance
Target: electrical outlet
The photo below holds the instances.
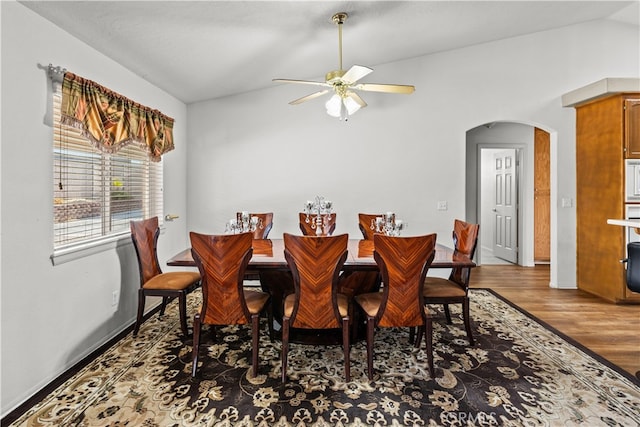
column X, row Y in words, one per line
column 442, row 205
column 114, row 298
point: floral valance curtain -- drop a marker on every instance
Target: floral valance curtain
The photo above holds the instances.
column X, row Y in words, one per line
column 111, row 121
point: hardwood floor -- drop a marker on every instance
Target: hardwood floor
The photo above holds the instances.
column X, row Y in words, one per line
column 610, row 330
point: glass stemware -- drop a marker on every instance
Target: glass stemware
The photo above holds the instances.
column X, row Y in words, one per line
column 388, row 224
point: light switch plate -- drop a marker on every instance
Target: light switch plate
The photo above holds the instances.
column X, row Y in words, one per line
column 567, row 202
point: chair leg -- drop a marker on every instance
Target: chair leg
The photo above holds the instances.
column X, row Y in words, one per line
column 165, row 300
column 197, row 326
column 270, row 320
column 370, row 328
column 428, row 337
column 285, row 347
column 355, row 321
column 447, row 313
column 412, row 333
column 141, row 301
column 346, row 330
column 467, row 319
column 419, row 334
column 212, row 331
column 182, row 304
column 255, row 342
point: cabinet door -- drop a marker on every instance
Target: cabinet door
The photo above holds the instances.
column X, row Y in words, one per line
column 632, row 128
column 541, row 196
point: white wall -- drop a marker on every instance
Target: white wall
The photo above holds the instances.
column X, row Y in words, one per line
column 54, row 316
column 403, row 153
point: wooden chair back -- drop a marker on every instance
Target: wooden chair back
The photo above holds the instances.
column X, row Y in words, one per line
column 308, row 228
column 465, row 239
column 261, row 233
column 144, row 235
column 403, row 263
column 222, row 261
column 364, row 223
column 315, row 264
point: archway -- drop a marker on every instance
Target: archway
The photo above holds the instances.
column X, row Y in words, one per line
column 519, row 135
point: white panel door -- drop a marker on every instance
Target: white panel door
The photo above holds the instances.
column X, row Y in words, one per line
column 505, row 242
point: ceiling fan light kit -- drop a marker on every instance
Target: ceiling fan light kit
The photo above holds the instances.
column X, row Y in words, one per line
column 345, row 101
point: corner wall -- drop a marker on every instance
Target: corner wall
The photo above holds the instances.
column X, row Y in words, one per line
column 52, row 317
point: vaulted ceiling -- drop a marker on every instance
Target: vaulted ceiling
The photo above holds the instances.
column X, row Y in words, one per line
column 198, row 50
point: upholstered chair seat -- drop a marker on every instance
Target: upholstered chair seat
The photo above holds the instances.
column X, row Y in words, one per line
column 175, row 280
column 343, row 304
column 435, row 287
column 256, row 300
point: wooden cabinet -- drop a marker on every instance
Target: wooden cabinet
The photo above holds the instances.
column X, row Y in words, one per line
column 632, row 127
column 606, row 133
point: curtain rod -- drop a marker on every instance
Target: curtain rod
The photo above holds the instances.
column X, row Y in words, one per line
column 56, row 73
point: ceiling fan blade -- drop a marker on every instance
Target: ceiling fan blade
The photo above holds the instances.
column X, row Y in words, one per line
column 308, row 97
column 304, row 82
column 357, row 99
column 355, row 73
column 377, row 87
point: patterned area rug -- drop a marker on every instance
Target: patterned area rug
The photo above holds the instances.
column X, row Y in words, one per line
column 519, row 373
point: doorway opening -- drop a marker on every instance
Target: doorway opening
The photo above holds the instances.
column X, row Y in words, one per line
column 512, row 206
column 498, row 206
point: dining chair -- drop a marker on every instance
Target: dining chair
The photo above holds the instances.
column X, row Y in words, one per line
column 364, row 223
column 222, row 261
column 309, row 228
column 403, row 264
column 455, row 289
column 153, row 282
column 315, row 263
column 265, row 224
column 261, row 233
column 354, row 282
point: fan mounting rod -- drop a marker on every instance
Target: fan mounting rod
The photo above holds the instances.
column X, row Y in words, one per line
column 339, row 19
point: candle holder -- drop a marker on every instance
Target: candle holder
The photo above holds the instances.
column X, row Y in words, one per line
column 321, row 208
column 388, row 224
column 243, row 223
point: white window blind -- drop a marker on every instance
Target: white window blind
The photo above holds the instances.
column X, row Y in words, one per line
column 96, row 194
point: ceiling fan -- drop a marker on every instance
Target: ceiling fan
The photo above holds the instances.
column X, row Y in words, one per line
column 345, row 101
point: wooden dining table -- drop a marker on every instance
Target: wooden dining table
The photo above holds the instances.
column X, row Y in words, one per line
column 359, row 275
column 268, row 254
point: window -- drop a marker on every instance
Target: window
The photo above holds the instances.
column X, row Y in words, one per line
column 96, row 194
